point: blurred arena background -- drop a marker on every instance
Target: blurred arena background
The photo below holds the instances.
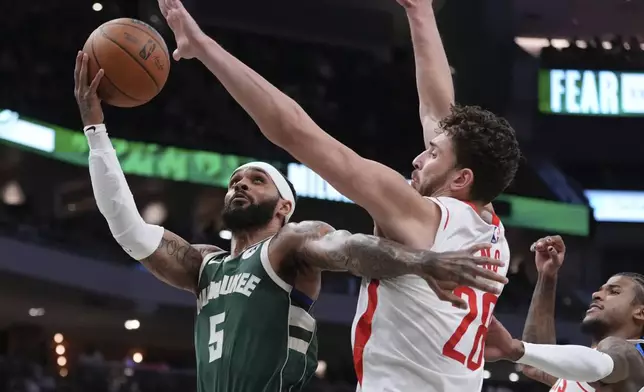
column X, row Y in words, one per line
column 76, row 314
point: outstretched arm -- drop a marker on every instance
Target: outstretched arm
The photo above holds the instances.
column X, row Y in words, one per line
column 315, row 244
column 169, row 257
column 433, row 74
column 410, row 219
column 614, row 360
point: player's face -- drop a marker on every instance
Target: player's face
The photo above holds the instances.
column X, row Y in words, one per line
column 613, row 306
column 434, row 168
column 251, row 200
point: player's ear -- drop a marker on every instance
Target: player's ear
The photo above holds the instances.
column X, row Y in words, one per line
column 638, row 315
column 284, row 207
column 462, row 179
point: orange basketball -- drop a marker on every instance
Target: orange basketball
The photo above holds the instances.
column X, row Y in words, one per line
column 135, row 59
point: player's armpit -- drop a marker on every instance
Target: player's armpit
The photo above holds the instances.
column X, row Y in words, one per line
column 628, row 362
column 176, row 262
column 430, row 123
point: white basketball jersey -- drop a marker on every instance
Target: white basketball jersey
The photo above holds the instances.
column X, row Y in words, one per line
column 405, row 339
column 571, row 386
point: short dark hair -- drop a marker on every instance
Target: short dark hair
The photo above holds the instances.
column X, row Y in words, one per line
column 486, row 144
column 290, row 185
column 639, row 282
column 639, row 289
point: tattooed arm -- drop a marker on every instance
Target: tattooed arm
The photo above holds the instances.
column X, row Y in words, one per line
column 540, row 323
column 178, row 263
column 316, row 244
column 628, row 362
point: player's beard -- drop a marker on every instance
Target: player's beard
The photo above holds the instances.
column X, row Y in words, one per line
column 252, row 216
column 596, row 328
column 435, row 186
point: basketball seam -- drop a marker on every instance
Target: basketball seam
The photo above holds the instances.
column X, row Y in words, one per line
column 98, row 63
column 161, row 44
column 133, row 58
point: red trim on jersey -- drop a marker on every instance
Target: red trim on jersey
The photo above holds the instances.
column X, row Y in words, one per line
column 496, row 221
column 363, row 327
column 472, row 206
column 582, row 388
column 446, row 210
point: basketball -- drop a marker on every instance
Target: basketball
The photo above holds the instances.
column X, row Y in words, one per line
column 134, row 57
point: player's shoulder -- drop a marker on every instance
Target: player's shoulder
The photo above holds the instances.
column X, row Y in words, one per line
column 208, row 251
column 631, row 350
column 306, row 228
column 293, row 235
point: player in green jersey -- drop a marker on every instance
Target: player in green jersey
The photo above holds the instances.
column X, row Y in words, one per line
column 253, row 330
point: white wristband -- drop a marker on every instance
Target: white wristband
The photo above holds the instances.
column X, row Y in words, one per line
column 97, row 137
column 570, row 362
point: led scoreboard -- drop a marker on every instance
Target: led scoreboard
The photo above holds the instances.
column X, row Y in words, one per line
column 591, row 92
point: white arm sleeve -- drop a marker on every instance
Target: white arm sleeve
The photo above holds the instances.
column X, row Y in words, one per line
column 115, row 200
column 570, row 362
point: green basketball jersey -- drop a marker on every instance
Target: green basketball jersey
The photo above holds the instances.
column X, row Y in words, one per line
column 252, row 333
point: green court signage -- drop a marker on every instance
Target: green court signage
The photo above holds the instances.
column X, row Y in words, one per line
column 214, row 169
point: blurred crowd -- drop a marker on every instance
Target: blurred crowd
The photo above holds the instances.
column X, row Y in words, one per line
column 365, row 98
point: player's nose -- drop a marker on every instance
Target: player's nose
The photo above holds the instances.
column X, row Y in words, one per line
column 417, row 162
column 241, row 185
column 597, row 296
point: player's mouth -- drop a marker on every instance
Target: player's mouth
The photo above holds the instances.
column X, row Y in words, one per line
column 414, row 178
column 239, row 197
column 593, row 307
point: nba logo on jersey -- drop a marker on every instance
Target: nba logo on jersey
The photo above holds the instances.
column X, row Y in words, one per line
column 249, row 252
column 495, row 235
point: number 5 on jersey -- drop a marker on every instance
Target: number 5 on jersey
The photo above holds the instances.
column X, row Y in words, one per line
column 216, row 341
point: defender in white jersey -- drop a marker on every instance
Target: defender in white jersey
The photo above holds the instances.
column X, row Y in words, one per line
column 406, row 339
column 615, row 322
column 471, row 155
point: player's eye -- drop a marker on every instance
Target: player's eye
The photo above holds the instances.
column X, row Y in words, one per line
column 258, row 180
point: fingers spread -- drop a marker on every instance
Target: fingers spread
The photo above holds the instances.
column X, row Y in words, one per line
column 77, row 69
column 82, row 76
column 487, row 261
column 479, row 247
column 490, row 275
column 97, row 80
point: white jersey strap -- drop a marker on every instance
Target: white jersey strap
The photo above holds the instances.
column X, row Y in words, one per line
column 445, row 218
